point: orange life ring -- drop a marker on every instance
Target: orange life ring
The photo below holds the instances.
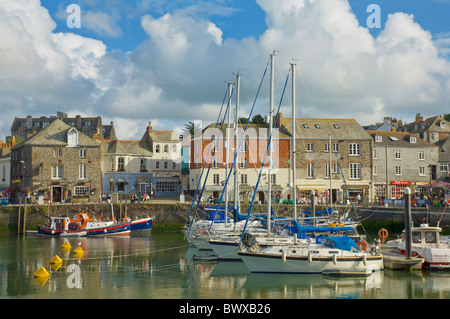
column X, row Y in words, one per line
column 362, row 245
column 383, row 233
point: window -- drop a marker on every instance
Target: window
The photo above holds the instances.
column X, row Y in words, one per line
column 378, row 138
column 243, row 163
column 216, row 179
column 397, row 154
column 82, row 172
column 354, row 149
column 143, row 164
column 355, row 171
column 57, row 152
column 215, row 162
column 157, row 165
column 166, row 148
column 335, row 147
column 310, row 147
column 375, row 170
column 244, row 179
column 166, row 165
column 421, row 155
column 174, row 148
column 335, row 168
column 57, row 172
column 327, row 170
column 244, row 147
column 443, row 167
column 310, row 170
column 412, row 139
column 422, row 171
column 121, row 164
column 375, row 153
column 82, row 153
column 273, row 179
column 167, row 186
column 398, row 170
column 327, row 147
column 81, row 190
column 174, row 165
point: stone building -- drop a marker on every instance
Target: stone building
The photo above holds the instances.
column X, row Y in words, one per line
column 90, row 126
column 58, row 163
column 320, row 170
column 432, row 129
column 400, row 160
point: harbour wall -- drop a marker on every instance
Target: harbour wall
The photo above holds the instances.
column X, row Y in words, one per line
column 167, row 215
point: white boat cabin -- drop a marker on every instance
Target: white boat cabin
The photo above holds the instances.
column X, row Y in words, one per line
column 425, row 236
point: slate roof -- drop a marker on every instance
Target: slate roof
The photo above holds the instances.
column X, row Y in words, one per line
column 320, row 129
column 55, row 134
column 127, row 147
column 401, row 139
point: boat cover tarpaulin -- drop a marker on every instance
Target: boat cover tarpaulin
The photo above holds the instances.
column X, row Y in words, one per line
column 341, row 242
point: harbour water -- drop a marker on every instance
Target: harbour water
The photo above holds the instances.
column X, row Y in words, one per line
column 160, row 266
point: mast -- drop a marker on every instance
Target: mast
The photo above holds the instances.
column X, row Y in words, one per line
column 228, row 151
column 294, row 189
column 236, row 128
column 269, row 169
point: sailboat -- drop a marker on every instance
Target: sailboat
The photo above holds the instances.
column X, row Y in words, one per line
column 330, row 255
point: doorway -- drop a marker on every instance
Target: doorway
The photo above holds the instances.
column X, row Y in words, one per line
column 56, row 194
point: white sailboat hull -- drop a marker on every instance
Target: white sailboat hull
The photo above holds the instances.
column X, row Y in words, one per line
column 296, row 260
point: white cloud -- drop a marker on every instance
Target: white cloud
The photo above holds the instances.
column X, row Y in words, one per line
column 179, row 73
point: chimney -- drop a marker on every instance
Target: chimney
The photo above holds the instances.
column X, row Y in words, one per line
column 149, row 127
column 419, row 119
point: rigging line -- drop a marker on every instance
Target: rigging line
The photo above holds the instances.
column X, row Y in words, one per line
column 209, row 151
column 210, row 163
column 201, row 174
column 240, row 143
column 262, row 164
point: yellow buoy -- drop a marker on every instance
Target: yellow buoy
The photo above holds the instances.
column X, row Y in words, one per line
column 41, row 272
column 66, row 245
column 78, row 251
column 56, row 260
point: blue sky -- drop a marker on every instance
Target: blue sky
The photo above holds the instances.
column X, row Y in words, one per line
column 168, row 61
column 237, row 19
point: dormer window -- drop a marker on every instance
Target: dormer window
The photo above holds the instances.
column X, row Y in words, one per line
column 378, row 138
column 412, row 139
column 72, row 137
column 442, row 124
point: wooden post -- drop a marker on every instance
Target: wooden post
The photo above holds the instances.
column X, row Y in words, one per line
column 18, row 218
column 408, row 222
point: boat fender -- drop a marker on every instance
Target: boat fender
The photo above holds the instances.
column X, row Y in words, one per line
column 334, row 259
column 283, row 256
column 364, row 259
column 249, row 240
column 309, row 257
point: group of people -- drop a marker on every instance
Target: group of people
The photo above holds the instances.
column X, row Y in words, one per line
column 141, row 197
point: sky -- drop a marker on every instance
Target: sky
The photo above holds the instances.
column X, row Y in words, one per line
column 169, row 61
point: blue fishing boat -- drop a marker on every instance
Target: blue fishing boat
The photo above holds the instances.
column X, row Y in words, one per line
column 143, row 224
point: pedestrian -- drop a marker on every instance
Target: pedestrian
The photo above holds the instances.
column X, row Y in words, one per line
column 358, row 199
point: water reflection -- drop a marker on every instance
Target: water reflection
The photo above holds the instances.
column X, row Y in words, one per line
column 162, row 267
